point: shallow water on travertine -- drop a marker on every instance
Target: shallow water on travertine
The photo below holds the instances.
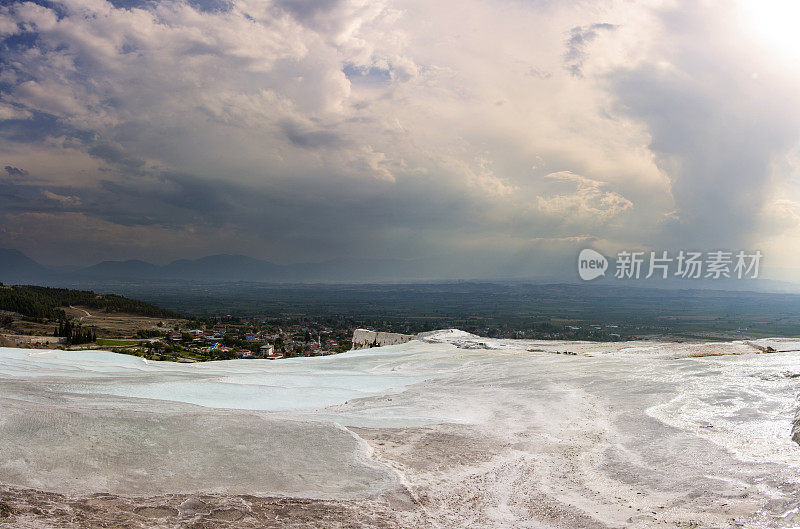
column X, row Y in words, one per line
column 477, row 433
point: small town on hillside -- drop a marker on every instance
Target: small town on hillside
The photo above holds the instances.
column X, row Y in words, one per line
column 224, row 340
column 43, row 317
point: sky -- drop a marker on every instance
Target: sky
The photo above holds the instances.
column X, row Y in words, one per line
column 504, row 134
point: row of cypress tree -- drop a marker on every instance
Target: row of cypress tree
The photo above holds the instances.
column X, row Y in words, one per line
column 74, row 334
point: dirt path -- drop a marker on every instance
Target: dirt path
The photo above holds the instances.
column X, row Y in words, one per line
column 86, row 313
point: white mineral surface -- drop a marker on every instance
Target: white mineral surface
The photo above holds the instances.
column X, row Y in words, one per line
column 473, row 432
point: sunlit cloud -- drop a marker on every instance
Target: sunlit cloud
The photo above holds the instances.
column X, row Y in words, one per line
column 301, row 131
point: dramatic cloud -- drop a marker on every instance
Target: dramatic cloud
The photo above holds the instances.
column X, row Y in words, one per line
column 513, row 133
column 15, row 172
column 579, row 40
column 64, row 200
column 718, row 117
column 589, row 201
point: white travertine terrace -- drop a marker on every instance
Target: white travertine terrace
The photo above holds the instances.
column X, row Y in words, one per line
column 630, row 434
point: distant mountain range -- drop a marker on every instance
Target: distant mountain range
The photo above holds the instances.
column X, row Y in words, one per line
column 15, row 267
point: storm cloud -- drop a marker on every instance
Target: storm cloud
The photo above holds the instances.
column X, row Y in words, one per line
column 512, row 133
column 15, row 172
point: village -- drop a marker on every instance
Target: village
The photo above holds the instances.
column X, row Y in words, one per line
column 243, row 339
column 168, row 336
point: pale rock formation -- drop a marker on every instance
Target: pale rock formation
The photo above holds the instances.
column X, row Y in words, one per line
column 364, row 339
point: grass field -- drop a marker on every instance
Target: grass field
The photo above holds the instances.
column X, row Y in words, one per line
column 117, row 342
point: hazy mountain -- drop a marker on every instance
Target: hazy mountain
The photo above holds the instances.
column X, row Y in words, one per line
column 15, row 267
column 133, row 268
column 223, row 267
column 242, row 268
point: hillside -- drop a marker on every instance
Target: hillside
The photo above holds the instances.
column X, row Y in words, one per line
column 46, row 302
